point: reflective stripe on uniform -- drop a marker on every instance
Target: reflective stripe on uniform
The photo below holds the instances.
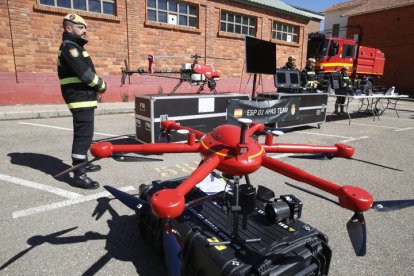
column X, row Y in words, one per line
column 310, row 72
column 94, row 81
column 78, row 156
column 85, row 54
column 312, row 84
column 82, row 104
column 70, row 80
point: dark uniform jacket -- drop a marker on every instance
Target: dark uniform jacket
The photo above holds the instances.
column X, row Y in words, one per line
column 346, row 81
column 78, row 80
column 289, row 67
column 308, row 77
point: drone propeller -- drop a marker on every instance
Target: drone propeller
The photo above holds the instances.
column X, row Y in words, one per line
column 197, row 56
column 116, row 157
column 357, row 233
column 71, row 169
column 319, row 156
column 130, row 201
column 356, row 226
column 129, row 158
column 392, row 205
column 167, row 57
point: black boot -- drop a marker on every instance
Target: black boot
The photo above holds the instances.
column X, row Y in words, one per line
column 92, row 168
column 336, row 109
column 81, row 180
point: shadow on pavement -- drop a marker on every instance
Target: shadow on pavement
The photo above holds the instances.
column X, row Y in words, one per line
column 123, row 242
column 45, row 163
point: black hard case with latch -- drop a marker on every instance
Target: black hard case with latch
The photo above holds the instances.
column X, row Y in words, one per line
column 285, row 248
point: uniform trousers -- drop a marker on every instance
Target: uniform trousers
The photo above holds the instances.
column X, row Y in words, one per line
column 83, row 127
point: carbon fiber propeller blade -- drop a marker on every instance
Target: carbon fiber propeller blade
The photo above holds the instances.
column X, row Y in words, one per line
column 130, row 201
column 71, row 169
column 129, row 158
column 358, row 233
column 320, row 156
column 392, row 205
column 172, row 251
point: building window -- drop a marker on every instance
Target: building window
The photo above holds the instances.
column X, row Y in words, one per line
column 348, row 51
column 285, row 32
column 237, row 24
column 99, row 6
column 172, row 12
column 335, row 30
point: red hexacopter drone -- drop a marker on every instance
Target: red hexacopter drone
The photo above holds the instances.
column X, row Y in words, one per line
column 166, row 218
column 233, row 151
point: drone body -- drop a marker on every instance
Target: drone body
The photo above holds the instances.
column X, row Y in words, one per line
column 232, row 150
column 194, row 73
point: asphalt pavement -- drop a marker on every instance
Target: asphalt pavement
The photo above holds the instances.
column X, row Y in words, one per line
column 51, row 228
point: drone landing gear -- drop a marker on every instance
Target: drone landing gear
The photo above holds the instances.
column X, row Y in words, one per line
column 211, row 83
column 176, row 87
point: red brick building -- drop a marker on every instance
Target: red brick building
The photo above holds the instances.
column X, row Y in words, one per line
column 389, row 26
column 386, row 25
column 30, row 34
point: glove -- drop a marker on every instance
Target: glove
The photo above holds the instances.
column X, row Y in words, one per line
column 102, row 89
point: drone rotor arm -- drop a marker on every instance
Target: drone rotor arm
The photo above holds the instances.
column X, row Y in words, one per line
column 107, row 149
column 170, row 203
column 205, row 169
column 172, row 125
column 350, row 197
column 253, row 128
column 339, row 150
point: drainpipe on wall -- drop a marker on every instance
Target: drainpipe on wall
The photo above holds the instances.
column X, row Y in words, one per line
column 127, row 29
column 12, row 42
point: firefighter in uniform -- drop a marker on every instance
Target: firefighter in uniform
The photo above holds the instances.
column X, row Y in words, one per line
column 308, row 75
column 81, row 88
column 290, row 64
column 346, row 82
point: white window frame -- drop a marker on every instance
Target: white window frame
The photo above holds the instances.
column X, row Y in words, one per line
column 55, row 4
column 177, row 13
column 230, row 23
column 286, row 32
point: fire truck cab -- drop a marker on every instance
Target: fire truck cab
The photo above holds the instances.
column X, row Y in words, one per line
column 332, row 54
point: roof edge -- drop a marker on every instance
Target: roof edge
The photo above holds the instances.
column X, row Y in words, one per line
column 350, row 13
column 289, row 9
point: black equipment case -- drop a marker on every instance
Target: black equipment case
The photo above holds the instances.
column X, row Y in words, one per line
column 202, row 112
column 287, row 247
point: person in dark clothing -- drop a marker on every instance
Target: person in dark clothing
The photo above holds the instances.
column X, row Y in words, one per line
column 346, row 82
column 308, row 75
column 290, row 64
column 81, row 88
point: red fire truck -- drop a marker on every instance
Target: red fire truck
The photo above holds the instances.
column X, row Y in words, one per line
column 332, row 53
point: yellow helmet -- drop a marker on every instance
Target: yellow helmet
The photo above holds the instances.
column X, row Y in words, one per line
column 74, row 18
